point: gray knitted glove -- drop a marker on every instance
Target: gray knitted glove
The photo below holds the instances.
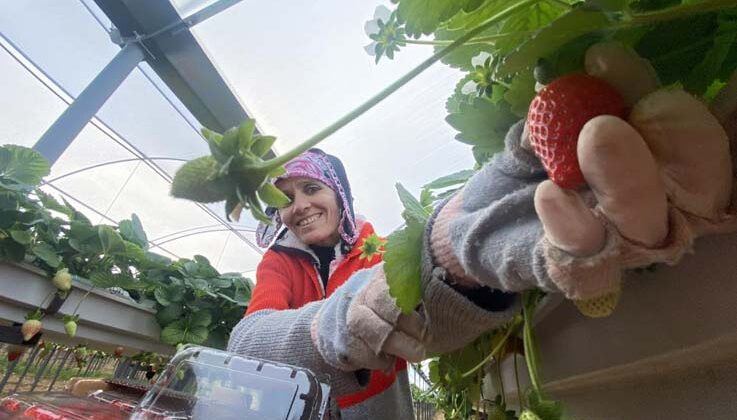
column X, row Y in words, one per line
column 360, row 327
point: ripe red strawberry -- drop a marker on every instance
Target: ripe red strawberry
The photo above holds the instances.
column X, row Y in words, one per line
column 556, row 117
column 118, row 352
column 15, row 352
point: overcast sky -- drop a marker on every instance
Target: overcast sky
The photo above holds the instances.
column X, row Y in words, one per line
column 296, row 67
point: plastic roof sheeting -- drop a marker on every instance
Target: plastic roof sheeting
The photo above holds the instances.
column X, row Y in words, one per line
column 296, row 67
column 64, row 41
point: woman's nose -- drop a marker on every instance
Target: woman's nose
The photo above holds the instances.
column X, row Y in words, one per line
column 300, row 203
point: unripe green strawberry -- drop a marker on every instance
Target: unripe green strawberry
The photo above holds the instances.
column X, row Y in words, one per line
column 556, row 117
column 495, row 412
column 80, row 354
column 62, row 280
column 71, row 328
column 70, row 324
column 528, row 415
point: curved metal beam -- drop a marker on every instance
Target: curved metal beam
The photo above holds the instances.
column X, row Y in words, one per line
column 204, row 231
column 112, row 162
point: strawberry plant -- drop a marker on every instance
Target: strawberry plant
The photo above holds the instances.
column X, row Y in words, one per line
column 195, row 303
column 689, row 44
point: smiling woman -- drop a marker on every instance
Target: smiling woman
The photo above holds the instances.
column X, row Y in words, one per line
column 313, row 213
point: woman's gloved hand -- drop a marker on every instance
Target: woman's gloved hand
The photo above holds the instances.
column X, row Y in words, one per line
column 360, row 327
column 657, row 181
column 649, row 183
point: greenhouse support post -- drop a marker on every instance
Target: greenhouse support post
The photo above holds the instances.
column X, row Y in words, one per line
column 71, row 122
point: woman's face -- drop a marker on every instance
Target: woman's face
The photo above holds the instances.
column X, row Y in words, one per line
column 314, row 214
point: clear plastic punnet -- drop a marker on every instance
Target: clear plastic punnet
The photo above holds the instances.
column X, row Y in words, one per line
column 203, row 383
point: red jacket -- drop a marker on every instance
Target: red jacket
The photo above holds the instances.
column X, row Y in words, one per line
column 287, row 278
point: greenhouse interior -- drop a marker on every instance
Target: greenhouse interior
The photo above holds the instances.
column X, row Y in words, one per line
column 398, row 209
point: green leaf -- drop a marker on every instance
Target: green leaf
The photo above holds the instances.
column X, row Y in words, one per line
column 262, row 145
column 272, row 196
column 217, row 339
column 455, row 178
column 215, row 151
column 522, row 25
column 47, row 253
column 106, row 279
column 245, row 134
column 22, row 164
column 413, row 212
column 545, row 409
column 213, row 136
column 566, row 28
column 424, row 16
column 76, row 216
column 402, row 261
column 84, row 238
column 520, row 93
column 651, row 5
column 220, row 282
column 482, row 123
column 21, row 236
column 676, row 47
column 256, row 210
column 11, row 250
column 161, row 296
column 169, row 313
column 196, row 181
column 198, row 284
column 110, row 240
column 132, row 230
column 704, row 74
column 180, row 332
column 134, row 252
column 230, row 143
column 200, row 319
column 51, row 203
column 8, row 200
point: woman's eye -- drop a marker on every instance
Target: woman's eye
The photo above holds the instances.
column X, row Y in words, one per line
column 311, row 189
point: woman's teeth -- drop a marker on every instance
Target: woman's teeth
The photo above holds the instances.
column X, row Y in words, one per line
column 307, row 221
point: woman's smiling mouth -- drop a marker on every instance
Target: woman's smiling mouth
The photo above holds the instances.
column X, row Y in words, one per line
column 309, row 220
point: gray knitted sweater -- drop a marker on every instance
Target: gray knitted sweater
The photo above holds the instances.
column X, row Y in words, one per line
column 494, row 232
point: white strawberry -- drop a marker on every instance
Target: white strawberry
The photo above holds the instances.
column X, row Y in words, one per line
column 32, row 326
column 62, row 280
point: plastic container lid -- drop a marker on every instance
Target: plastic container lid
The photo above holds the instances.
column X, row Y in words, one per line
column 213, row 384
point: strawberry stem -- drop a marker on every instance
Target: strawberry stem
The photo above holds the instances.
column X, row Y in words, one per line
column 680, row 11
column 516, row 379
column 82, row 300
column 497, row 349
column 342, row 122
column 531, row 357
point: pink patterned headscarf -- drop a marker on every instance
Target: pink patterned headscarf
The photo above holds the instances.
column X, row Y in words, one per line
column 315, row 164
